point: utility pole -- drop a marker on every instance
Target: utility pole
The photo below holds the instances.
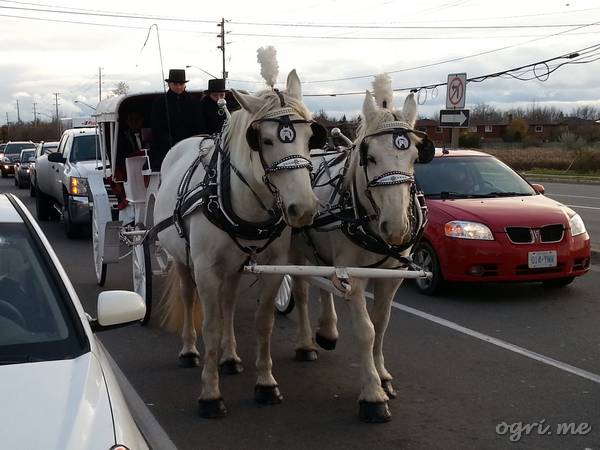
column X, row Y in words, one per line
column 34, row 114
column 7, row 128
column 18, row 112
column 99, row 84
column 222, row 46
column 57, row 118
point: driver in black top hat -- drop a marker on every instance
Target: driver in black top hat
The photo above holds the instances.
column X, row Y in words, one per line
column 211, row 117
column 175, row 117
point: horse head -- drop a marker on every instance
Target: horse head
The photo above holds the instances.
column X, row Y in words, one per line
column 388, row 148
column 279, row 135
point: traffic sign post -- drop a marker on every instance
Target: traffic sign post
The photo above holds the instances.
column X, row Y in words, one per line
column 456, row 90
column 455, row 116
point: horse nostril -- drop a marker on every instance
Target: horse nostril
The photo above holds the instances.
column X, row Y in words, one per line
column 292, row 210
column 384, row 228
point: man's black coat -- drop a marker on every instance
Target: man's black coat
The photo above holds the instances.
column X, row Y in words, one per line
column 211, row 121
column 184, row 121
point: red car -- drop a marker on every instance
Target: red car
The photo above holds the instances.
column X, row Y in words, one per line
column 486, row 223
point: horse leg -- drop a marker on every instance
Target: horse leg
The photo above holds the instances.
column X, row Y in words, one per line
column 266, row 390
column 210, row 402
column 305, row 348
column 380, row 315
column 327, row 333
column 373, row 401
column 189, row 355
column 230, row 362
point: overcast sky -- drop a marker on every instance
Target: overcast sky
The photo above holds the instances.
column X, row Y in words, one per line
column 46, row 50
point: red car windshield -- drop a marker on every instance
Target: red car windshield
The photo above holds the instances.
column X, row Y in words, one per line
column 469, row 177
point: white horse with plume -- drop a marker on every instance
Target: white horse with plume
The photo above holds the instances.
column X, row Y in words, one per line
column 371, row 216
column 259, row 184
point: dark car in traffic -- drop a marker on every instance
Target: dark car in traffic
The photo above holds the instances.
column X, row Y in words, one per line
column 10, row 155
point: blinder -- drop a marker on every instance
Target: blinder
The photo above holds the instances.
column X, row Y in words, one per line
column 286, row 132
column 401, row 140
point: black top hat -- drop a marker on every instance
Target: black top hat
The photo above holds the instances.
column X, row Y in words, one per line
column 216, row 85
column 176, row 76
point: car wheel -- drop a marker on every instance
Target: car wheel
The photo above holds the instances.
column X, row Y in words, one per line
column 284, row 300
column 4, row 174
column 31, row 188
column 16, row 180
column 425, row 256
column 43, row 206
column 72, row 230
column 559, row 282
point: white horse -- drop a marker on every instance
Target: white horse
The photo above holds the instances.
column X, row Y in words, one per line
column 265, row 185
column 372, row 215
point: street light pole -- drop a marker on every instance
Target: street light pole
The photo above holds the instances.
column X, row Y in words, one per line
column 84, row 103
column 199, row 68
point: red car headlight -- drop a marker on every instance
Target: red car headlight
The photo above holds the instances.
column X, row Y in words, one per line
column 468, row 230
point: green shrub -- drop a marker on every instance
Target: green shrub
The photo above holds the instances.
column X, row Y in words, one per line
column 469, row 140
column 571, row 141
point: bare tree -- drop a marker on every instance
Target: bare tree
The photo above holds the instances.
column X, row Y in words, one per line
column 120, row 88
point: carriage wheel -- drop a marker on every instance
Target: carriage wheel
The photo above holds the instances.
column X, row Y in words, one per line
column 284, row 300
column 142, row 274
column 99, row 266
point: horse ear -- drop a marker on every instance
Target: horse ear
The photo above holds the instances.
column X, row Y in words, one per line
column 409, row 110
column 369, row 107
column 294, row 87
column 249, row 102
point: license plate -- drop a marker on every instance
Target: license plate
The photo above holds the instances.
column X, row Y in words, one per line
column 542, row 259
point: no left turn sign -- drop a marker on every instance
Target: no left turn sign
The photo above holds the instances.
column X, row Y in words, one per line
column 456, row 90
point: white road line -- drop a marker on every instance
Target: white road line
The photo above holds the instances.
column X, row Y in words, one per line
column 498, row 342
column 574, row 196
column 584, row 207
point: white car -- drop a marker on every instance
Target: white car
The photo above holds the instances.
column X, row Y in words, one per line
column 57, row 390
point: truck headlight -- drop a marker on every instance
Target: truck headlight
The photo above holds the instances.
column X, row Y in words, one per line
column 577, row 226
column 78, row 186
column 6, row 160
column 468, row 230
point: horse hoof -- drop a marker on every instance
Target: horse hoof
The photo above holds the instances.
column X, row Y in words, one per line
column 388, row 388
column 374, row 412
column 325, row 343
column 189, row 360
column 231, row 367
column 212, row 409
column 304, row 355
column 267, row 395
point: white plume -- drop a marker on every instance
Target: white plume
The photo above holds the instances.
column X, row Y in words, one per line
column 382, row 89
column 269, row 68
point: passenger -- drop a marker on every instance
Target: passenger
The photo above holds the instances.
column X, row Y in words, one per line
column 175, row 117
column 212, row 117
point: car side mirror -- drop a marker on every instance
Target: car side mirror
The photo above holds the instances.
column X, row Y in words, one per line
column 17, row 161
column 31, row 159
column 56, row 158
column 117, row 309
column 539, row 188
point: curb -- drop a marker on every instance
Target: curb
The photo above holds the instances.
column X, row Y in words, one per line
column 560, row 178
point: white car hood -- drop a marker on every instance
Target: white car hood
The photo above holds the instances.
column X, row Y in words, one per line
column 55, row 405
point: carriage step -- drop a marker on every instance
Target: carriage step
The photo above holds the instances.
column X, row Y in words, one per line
column 111, row 241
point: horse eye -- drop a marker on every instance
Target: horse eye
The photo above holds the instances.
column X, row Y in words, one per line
column 371, row 159
column 268, row 142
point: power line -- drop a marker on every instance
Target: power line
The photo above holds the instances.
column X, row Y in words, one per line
column 122, row 15
column 582, row 56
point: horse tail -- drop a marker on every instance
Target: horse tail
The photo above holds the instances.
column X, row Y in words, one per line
column 172, row 303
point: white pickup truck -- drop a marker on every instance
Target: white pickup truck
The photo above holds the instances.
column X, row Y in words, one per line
column 62, row 180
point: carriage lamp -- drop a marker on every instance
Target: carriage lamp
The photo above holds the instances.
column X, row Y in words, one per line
column 576, row 224
column 78, row 186
column 468, row 230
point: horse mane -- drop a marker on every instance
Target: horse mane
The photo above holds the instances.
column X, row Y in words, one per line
column 234, row 132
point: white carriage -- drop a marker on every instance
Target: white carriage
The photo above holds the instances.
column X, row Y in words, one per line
column 119, row 233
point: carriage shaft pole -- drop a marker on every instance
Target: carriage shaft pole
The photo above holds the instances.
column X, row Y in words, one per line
column 327, row 271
